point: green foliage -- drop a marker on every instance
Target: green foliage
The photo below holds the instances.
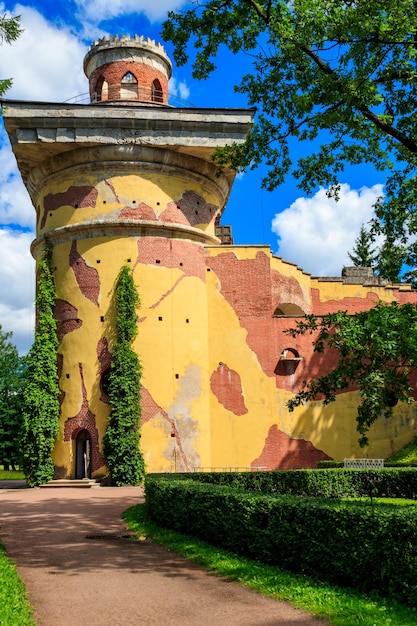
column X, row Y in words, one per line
column 277, row 530
column 377, row 353
column 40, row 411
column 12, row 374
column 322, row 483
column 9, row 31
column 406, row 456
column 363, row 254
column 337, row 75
column 340, row 607
column 122, row 437
column 14, row 605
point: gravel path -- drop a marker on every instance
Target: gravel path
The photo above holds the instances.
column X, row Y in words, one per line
column 79, row 573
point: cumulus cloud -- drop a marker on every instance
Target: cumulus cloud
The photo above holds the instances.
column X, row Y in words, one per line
column 17, row 287
column 45, row 62
column 317, row 233
column 46, row 65
column 100, row 10
column 178, row 89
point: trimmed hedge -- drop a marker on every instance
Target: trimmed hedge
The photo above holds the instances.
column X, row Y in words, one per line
column 350, row 544
column 326, row 483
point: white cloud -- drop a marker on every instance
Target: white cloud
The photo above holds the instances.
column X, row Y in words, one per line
column 317, row 233
column 17, row 287
column 45, row 62
column 178, row 89
column 15, row 204
column 100, row 10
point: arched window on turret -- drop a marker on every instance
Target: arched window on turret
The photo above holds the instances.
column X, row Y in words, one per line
column 101, row 91
column 157, row 95
column 129, row 87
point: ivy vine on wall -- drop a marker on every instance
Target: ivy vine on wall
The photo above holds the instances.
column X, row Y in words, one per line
column 40, row 411
column 122, row 452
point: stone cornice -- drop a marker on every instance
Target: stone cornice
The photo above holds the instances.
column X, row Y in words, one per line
column 121, row 228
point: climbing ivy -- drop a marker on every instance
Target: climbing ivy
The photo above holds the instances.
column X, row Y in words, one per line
column 40, row 411
column 122, row 452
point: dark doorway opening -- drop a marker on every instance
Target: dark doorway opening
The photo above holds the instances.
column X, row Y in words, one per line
column 83, row 455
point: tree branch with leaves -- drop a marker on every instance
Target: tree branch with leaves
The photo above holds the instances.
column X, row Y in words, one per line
column 377, row 356
column 338, row 75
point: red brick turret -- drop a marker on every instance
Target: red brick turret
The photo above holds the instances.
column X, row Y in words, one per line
column 126, row 70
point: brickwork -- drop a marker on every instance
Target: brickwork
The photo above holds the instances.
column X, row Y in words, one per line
column 76, row 197
column 113, row 73
column 141, row 212
column 66, row 316
column 85, row 420
column 283, row 452
column 88, row 279
column 227, row 387
column 173, row 253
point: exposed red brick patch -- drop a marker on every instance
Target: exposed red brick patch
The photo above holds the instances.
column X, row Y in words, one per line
column 66, row 316
column 85, row 419
column 188, row 257
column 87, row 277
column 245, row 283
column 283, row 452
column 141, row 212
column 352, row 305
column 77, row 197
column 227, row 387
column 173, row 215
column 104, row 358
column 286, row 289
column 103, row 355
column 113, row 73
column 196, row 209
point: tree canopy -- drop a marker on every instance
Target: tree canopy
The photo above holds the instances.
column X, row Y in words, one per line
column 377, row 355
column 9, row 31
column 337, row 77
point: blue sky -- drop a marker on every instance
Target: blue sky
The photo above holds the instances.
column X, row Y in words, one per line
column 46, row 65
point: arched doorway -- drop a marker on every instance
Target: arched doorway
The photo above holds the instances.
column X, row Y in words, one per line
column 83, row 454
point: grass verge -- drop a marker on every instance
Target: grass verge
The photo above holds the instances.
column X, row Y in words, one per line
column 11, row 474
column 14, row 607
column 340, row 607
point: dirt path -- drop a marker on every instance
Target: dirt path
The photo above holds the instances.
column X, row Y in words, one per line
column 77, row 575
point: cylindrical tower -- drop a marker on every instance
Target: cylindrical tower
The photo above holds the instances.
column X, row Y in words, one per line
column 117, row 184
column 128, row 70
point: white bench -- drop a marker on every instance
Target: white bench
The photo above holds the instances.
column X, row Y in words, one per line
column 363, row 463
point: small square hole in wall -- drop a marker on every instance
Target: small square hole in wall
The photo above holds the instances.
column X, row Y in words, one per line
column 177, row 376
column 157, row 261
column 101, row 318
column 98, row 261
column 104, row 201
column 181, row 264
column 133, row 201
column 187, row 321
column 75, row 206
column 158, row 203
column 160, row 319
column 128, row 260
column 208, row 269
column 50, row 215
column 67, row 375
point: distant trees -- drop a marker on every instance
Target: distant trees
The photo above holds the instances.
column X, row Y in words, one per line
column 11, row 390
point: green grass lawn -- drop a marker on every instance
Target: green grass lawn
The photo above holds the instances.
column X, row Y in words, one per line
column 340, row 607
column 14, row 607
column 11, row 475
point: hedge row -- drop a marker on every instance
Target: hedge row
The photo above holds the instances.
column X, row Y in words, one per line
column 346, row 543
column 326, row 483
